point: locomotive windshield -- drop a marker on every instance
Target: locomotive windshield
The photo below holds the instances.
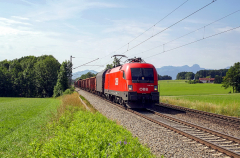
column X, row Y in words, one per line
column 142, row 75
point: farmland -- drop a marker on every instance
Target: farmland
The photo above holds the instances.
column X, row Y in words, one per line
column 206, row 97
column 20, row 121
column 62, row 128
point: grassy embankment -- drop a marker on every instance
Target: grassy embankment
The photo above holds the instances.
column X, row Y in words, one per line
column 71, row 131
column 206, row 97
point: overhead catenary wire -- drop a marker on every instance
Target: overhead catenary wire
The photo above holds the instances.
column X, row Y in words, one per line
column 190, row 32
column 147, row 29
column 86, row 63
column 194, row 41
column 169, row 26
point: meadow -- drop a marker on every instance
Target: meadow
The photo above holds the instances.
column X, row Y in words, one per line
column 21, row 120
column 62, row 128
column 180, row 87
column 207, row 97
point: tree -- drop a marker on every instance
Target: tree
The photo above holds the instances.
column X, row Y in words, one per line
column 28, row 76
column 116, row 62
column 87, row 75
column 63, row 79
column 109, row 66
column 189, row 76
column 46, row 70
column 211, row 73
column 218, row 79
column 185, row 76
column 165, row 77
column 232, row 78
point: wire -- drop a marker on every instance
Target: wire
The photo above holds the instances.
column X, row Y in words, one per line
column 194, row 41
column 190, row 32
column 159, row 21
column 86, row 63
column 147, row 29
column 169, row 26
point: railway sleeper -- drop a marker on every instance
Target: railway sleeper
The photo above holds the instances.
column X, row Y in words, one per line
column 230, row 145
column 213, row 138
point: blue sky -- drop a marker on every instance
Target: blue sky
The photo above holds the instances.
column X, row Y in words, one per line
column 96, row 29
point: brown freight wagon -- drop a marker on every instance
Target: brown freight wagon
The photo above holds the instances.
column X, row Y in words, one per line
column 79, row 83
column 84, row 84
column 92, row 84
column 88, row 84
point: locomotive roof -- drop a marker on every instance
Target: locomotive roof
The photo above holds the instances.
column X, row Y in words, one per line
column 130, row 65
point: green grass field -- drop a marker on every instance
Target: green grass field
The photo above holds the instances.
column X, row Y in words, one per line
column 206, row 97
column 179, row 88
column 38, row 127
column 20, row 121
column 81, row 133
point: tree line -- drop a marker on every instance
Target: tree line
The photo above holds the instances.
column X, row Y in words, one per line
column 228, row 77
column 30, row 76
column 211, row 73
column 202, row 74
column 165, row 77
column 87, row 75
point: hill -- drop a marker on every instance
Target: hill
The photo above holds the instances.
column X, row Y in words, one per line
column 80, row 73
column 174, row 70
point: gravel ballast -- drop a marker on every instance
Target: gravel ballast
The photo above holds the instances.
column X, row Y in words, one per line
column 160, row 140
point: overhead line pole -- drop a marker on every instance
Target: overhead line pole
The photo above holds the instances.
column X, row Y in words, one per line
column 71, row 69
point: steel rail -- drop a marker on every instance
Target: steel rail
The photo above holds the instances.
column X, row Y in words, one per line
column 202, row 141
column 198, row 127
column 229, row 118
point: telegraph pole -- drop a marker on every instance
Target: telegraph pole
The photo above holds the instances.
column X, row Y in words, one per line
column 71, row 69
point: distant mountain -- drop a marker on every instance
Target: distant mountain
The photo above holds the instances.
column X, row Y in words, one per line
column 228, row 67
column 80, row 73
column 174, row 70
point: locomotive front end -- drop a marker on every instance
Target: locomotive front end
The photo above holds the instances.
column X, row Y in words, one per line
column 143, row 87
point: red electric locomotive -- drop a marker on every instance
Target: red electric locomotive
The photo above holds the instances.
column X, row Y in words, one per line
column 134, row 84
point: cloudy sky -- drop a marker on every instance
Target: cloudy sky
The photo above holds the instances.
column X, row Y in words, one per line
column 91, row 29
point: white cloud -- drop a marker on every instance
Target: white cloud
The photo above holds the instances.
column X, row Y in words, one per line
column 6, row 21
column 19, row 18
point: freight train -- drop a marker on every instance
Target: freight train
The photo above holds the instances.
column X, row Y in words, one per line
column 133, row 84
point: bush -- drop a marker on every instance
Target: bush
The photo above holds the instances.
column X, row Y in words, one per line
column 69, row 91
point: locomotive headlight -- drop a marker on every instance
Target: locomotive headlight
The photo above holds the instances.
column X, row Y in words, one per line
column 155, row 88
column 130, row 87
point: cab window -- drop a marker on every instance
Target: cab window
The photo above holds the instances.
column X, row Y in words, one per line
column 142, row 75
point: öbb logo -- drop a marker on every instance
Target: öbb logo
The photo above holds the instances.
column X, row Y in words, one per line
column 143, row 89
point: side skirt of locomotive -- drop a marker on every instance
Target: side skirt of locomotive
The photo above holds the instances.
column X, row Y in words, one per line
column 133, row 99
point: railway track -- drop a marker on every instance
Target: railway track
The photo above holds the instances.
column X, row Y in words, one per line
column 218, row 141
column 221, row 119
